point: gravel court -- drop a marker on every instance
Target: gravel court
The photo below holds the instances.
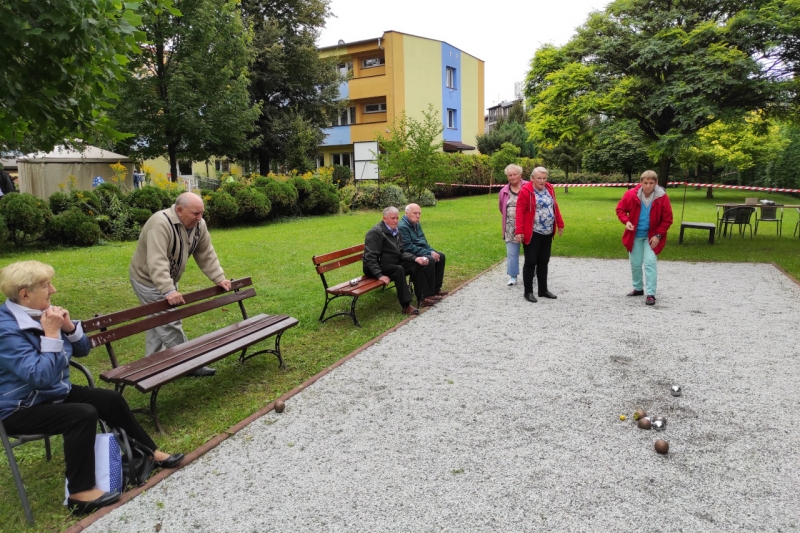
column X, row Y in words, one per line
column 490, row 413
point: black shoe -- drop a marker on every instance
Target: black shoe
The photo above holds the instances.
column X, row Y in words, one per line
column 636, row 292
column 530, row 297
column 205, row 372
column 79, row 507
column 651, row 300
column 170, row 462
column 547, row 294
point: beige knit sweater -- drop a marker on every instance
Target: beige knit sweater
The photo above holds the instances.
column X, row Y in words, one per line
column 164, row 249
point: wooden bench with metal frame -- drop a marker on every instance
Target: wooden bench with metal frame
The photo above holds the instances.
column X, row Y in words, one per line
column 151, row 373
column 354, row 288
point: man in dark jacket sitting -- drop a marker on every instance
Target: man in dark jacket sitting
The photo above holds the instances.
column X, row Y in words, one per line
column 386, row 259
column 415, row 242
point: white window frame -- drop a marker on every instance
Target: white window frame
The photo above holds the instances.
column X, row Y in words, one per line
column 452, row 119
column 373, row 62
column 340, row 156
column 346, row 117
column 381, row 108
column 451, row 78
column 344, row 69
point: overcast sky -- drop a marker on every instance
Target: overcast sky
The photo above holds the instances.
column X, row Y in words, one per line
column 503, row 33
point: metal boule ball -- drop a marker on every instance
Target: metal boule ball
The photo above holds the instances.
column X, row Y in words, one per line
column 279, row 406
column 660, row 424
column 676, row 390
column 639, row 414
column 644, row 423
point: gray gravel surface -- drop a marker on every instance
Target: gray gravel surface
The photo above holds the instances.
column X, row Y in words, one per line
column 490, row 413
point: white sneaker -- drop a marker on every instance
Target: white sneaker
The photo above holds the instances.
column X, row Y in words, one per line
column 511, row 281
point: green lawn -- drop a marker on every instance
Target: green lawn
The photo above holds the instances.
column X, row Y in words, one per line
column 278, row 258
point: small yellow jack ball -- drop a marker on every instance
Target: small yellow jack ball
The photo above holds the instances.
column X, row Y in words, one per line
column 623, row 417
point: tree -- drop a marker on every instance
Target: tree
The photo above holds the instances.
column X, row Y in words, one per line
column 672, row 67
column 412, row 153
column 295, row 88
column 61, row 60
column 617, row 146
column 508, row 132
column 186, row 94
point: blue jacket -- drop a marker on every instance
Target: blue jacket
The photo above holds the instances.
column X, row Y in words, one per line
column 414, row 240
column 29, row 376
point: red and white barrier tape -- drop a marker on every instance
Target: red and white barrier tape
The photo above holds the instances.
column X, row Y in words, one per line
column 701, row 185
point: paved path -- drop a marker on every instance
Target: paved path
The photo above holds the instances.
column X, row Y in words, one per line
column 489, row 413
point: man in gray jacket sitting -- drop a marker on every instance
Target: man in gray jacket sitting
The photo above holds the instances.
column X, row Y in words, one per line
column 386, row 259
column 415, row 242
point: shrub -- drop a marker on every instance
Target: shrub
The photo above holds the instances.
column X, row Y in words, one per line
column 364, row 196
column 221, row 208
column 4, row 233
column 231, row 187
column 145, row 198
column 282, row 195
column 119, row 224
column 104, row 190
column 427, row 199
column 87, row 201
column 392, row 195
column 73, row 227
column 168, row 196
column 254, row 206
column 341, row 176
column 59, row 202
column 316, row 197
column 25, row 216
column 140, row 216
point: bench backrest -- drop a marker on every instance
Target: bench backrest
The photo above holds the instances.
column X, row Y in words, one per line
column 338, row 259
column 122, row 324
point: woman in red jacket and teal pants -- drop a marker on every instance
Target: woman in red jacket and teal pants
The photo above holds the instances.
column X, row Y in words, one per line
column 647, row 214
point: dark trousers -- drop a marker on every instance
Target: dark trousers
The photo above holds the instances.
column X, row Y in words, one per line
column 438, row 267
column 76, row 418
column 537, row 256
column 421, row 277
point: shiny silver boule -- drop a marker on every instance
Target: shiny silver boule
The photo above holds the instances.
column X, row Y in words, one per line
column 676, row 390
column 659, row 423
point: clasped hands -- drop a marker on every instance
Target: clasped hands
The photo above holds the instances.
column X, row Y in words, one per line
column 54, row 320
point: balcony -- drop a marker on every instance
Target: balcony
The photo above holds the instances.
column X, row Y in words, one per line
column 370, row 87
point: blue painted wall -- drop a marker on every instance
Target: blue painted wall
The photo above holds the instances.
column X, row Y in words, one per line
column 336, row 136
column 451, row 98
column 344, row 91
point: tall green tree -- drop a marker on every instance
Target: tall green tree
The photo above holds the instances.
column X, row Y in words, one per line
column 60, row 62
column 411, row 153
column 295, row 88
column 186, row 95
column 671, row 66
column 616, row 146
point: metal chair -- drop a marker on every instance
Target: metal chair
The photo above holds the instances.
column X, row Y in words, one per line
column 769, row 213
column 797, row 226
column 12, row 441
column 738, row 216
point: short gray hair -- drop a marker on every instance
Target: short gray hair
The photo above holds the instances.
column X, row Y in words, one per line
column 390, row 210
column 541, row 170
column 512, row 166
column 24, row 275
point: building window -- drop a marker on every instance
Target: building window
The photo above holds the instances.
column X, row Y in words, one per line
column 452, row 119
column 343, row 159
column 222, row 165
column 347, row 117
column 373, row 62
column 344, row 69
column 451, row 78
column 320, row 160
column 185, row 168
column 375, row 108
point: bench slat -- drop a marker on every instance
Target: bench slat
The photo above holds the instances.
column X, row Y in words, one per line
column 112, row 319
column 177, row 354
column 324, row 258
column 339, row 264
column 364, row 286
column 175, row 313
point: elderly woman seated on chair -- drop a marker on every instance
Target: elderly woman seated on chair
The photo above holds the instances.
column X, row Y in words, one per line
column 37, row 340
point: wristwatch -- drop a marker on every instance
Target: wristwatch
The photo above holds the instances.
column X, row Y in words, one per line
column 659, row 236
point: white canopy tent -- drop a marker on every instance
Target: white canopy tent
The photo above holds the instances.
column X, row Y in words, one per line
column 40, row 173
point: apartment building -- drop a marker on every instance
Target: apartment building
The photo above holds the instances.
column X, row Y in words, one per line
column 400, row 72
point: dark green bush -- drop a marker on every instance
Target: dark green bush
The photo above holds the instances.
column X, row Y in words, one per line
column 25, row 216
column 427, row 199
column 117, row 223
column 315, row 197
column 254, row 206
column 231, row 187
column 341, row 175
column 4, row 233
column 392, row 195
column 59, row 202
column 282, row 195
column 140, row 216
column 221, row 208
column 74, row 228
column 145, row 198
column 104, row 190
column 168, row 197
column 87, row 201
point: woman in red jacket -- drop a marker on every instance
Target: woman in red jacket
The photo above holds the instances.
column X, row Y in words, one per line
column 538, row 220
column 647, row 214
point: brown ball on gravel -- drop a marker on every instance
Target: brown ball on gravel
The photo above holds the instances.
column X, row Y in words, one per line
column 639, row 414
column 279, row 406
column 644, row 423
column 662, row 446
